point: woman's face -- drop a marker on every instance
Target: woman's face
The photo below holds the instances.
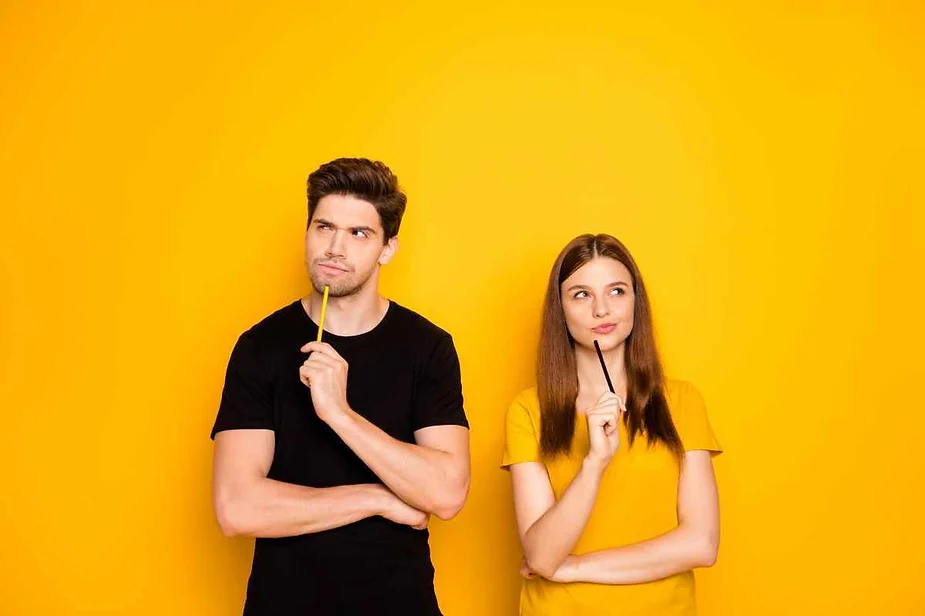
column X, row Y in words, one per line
column 598, row 301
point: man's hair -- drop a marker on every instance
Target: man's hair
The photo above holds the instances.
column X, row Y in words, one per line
column 364, row 179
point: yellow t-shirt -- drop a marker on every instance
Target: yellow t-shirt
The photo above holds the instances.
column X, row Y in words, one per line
column 637, row 500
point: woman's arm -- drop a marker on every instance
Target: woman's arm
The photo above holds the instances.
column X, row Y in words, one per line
column 693, row 543
column 549, row 529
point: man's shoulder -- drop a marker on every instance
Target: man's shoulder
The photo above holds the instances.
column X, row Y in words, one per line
column 416, row 326
column 273, row 327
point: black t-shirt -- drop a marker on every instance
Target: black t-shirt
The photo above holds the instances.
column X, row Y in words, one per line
column 403, row 375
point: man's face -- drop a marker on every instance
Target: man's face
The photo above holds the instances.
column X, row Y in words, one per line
column 344, row 244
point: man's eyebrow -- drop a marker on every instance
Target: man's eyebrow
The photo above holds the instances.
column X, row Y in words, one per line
column 368, row 230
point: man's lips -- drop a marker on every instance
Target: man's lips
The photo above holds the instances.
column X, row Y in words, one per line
column 330, row 268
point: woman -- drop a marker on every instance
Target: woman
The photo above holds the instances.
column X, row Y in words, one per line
column 614, row 493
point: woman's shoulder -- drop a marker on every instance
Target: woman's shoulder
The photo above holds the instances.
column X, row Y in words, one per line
column 682, row 395
column 529, row 399
column 684, row 399
column 677, row 388
column 689, row 413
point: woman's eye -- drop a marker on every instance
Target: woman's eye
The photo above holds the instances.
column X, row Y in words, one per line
column 618, row 291
column 581, row 295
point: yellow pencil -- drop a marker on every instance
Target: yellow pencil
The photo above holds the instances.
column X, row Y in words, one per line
column 324, row 311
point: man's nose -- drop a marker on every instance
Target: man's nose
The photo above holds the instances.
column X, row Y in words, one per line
column 337, row 245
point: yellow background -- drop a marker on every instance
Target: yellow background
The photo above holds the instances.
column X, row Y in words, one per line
column 763, row 164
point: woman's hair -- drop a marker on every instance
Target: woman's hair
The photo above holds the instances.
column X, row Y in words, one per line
column 557, row 375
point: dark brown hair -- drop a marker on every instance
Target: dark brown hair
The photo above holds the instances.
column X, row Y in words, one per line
column 557, row 373
column 364, row 179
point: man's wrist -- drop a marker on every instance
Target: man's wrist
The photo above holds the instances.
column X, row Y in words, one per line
column 341, row 418
column 378, row 498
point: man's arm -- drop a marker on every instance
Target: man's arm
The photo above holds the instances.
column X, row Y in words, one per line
column 431, row 474
column 247, row 503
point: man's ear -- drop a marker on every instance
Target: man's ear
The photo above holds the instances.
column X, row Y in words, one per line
column 388, row 251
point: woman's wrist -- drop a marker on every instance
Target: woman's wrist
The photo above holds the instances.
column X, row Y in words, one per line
column 594, row 466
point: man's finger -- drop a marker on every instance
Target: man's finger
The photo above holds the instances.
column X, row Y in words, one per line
column 317, row 363
column 310, row 347
column 317, row 359
column 322, row 348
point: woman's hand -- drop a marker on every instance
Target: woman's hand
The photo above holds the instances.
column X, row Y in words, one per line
column 603, row 430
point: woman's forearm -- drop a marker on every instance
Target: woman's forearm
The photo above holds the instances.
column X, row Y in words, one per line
column 548, row 542
column 678, row 550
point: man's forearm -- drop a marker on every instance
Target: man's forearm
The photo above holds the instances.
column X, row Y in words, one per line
column 269, row 508
column 424, row 478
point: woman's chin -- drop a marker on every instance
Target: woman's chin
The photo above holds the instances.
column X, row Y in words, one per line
column 607, row 342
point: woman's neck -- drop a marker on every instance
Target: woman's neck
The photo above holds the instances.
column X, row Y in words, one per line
column 591, row 380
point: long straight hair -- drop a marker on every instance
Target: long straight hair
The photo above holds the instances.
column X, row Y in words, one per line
column 557, row 373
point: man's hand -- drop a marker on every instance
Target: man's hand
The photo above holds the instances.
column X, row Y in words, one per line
column 325, row 373
column 400, row 512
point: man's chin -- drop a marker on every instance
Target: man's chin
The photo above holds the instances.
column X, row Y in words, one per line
column 336, row 288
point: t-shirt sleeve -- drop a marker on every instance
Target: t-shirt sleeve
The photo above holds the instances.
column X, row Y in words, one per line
column 247, row 397
column 438, row 397
column 692, row 422
column 521, row 436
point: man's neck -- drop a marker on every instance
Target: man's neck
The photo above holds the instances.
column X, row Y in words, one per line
column 350, row 315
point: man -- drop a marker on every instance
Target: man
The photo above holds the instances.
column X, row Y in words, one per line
column 334, row 454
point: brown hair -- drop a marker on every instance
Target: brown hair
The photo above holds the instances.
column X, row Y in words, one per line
column 364, row 179
column 557, row 373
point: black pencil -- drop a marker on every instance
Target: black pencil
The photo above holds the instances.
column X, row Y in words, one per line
column 600, row 356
